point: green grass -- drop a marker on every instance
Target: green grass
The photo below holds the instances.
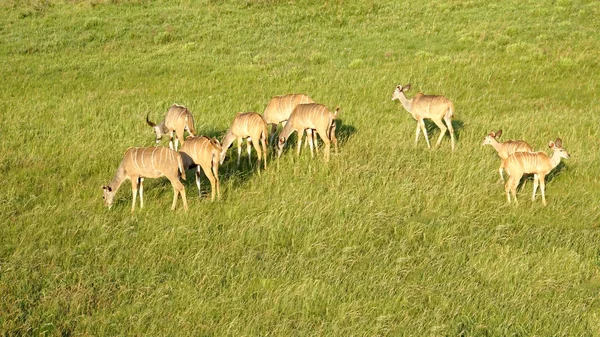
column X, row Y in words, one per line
column 385, row 239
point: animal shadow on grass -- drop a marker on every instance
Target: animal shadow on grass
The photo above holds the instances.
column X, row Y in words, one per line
column 433, row 130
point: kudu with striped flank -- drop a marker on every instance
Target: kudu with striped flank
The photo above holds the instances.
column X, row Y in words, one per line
column 433, row 107
column 505, row 149
column 147, row 162
column 252, row 127
column 203, row 152
column 280, row 108
column 537, row 163
column 178, row 120
column 310, row 117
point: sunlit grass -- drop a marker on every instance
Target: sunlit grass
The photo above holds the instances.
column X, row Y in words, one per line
column 388, row 238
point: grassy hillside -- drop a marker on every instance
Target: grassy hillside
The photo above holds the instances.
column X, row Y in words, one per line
column 388, row 238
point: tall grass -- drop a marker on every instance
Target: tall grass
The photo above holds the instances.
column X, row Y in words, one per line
column 388, row 238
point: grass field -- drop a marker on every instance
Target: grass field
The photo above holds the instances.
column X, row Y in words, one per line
column 388, row 238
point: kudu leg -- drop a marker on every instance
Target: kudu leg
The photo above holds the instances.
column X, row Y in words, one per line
column 134, row 190
column 239, row 145
column 178, row 188
column 300, row 134
column 264, row 148
column 443, row 129
column 258, row 153
column 141, row 192
column 326, row 142
column 513, row 188
column 535, row 186
column 309, row 138
column 422, row 123
column 542, row 180
column 198, row 180
column 448, row 120
column 332, row 136
column 418, row 132
column 249, row 144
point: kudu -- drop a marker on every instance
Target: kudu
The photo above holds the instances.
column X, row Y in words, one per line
column 422, row 106
column 203, row 152
column 147, row 162
column 177, row 120
column 537, row 163
column 506, row 148
column 280, row 108
column 310, row 117
column 252, row 127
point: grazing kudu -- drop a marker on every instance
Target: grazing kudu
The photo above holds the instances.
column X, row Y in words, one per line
column 177, row 120
column 147, row 162
column 422, row 106
column 250, row 126
column 280, row 108
column 310, row 116
column 203, row 152
column 506, row 148
column 538, row 163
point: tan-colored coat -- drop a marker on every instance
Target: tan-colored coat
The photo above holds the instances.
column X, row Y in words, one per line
column 178, row 120
column 433, row 107
column 506, row 148
column 252, row 127
column 203, row 152
column 147, row 162
column 537, row 163
column 310, row 116
column 280, row 108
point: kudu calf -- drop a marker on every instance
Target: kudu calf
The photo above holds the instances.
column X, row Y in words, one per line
column 203, row 152
column 422, row 106
column 177, row 120
column 310, row 117
column 250, row 126
column 506, row 148
column 147, row 162
column 538, row 163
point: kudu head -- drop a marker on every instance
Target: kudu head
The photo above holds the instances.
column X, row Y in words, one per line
column 159, row 130
column 108, row 196
column 557, row 147
column 491, row 137
column 279, row 146
column 399, row 91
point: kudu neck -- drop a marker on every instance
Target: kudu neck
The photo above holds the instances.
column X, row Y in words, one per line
column 406, row 103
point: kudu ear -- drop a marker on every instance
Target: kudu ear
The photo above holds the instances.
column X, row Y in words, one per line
column 558, row 142
column 498, row 134
column 492, row 134
column 551, row 145
column 406, row 87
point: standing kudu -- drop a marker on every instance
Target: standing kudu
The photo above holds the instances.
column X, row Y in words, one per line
column 177, row 120
column 280, row 108
column 147, row 162
column 422, row 106
column 203, row 152
column 506, row 148
column 250, row 126
column 310, row 117
column 537, row 163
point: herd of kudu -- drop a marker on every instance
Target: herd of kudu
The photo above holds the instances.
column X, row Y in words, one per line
column 298, row 112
